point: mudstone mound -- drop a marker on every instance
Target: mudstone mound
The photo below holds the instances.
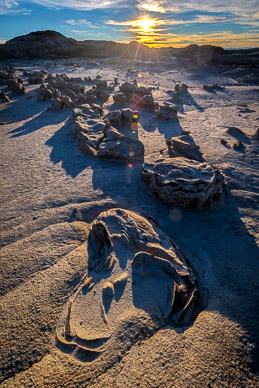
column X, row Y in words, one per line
column 95, row 135
column 135, row 274
column 184, row 182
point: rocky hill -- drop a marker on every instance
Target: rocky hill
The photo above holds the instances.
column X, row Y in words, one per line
column 53, row 45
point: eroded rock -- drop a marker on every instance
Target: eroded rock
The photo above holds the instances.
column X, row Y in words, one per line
column 44, row 93
column 167, row 112
column 124, row 148
column 95, row 135
column 56, row 104
column 184, row 182
column 148, row 102
column 4, row 98
column 114, row 116
column 137, row 278
column 18, row 88
column 184, row 145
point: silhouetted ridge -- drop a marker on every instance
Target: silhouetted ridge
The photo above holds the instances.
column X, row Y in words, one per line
column 38, row 35
column 50, row 44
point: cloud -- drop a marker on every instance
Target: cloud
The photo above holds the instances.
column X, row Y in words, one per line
column 12, row 7
column 80, row 4
column 162, row 37
column 15, row 7
column 238, row 7
column 208, row 19
column 227, row 39
column 73, row 22
column 152, row 6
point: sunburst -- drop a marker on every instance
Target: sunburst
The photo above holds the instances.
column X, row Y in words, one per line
column 145, row 24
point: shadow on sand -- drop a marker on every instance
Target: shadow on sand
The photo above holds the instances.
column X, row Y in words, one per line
column 216, row 241
column 65, row 150
column 167, row 128
column 43, row 119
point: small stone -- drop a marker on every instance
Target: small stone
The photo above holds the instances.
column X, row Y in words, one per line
column 237, row 145
column 147, row 102
column 224, row 142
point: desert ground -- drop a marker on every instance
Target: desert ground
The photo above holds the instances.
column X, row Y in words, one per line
column 51, row 193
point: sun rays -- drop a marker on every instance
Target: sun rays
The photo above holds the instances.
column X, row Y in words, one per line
column 145, row 25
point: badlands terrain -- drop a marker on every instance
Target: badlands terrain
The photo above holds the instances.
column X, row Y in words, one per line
column 107, row 278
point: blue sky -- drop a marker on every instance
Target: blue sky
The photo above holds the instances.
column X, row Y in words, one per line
column 227, row 23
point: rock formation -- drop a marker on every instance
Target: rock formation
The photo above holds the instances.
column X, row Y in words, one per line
column 185, row 146
column 95, row 135
column 184, row 182
column 134, row 269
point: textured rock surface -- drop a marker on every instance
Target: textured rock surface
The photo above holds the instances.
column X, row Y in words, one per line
column 148, row 102
column 95, row 136
column 167, row 112
column 133, row 268
column 184, row 145
column 125, row 148
column 184, row 182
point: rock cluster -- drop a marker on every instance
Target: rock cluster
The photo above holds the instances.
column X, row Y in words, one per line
column 37, row 77
column 8, row 78
column 131, row 93
column 184, row 182
column 69, row 92
column 180, row 91
column 95, row 135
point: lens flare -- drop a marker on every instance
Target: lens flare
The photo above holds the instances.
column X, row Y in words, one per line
column 175, row 214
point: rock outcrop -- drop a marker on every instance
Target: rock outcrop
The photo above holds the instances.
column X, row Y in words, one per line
column 185, row 146
column 52, row 44
column 184, row 182
column 167, row 112
column 134, row 271
column 95, row 135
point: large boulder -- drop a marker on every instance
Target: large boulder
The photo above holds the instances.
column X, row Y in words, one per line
column 184, row 182
column 89, row 141
column 137, row 282
column 124, row 148
column 101, row 84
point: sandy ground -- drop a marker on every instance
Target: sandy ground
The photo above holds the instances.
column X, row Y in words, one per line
column 50, row 193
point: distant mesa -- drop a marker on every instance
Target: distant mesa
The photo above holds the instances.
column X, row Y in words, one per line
column 53, row 45
column 38, row 35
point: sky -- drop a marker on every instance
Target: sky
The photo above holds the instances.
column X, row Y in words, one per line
column 157, row 23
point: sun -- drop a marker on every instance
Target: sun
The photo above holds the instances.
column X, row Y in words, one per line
column 145, row 24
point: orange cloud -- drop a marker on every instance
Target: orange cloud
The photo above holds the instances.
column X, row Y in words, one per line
column 225, row 39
